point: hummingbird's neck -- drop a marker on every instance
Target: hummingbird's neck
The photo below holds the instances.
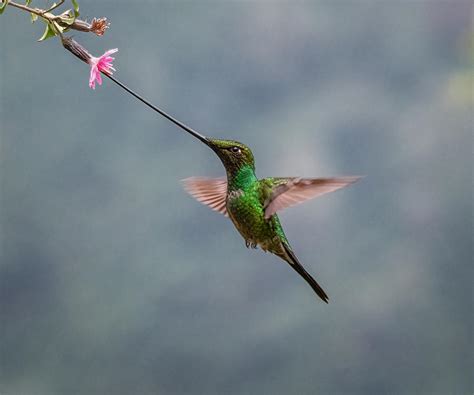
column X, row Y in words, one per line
column 241, row 178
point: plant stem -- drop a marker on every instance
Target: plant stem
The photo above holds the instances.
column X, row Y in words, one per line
column 78, row 24
column 55, row 6
column 36, row 11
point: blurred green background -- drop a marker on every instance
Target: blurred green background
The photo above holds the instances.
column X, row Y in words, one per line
column 114, row 281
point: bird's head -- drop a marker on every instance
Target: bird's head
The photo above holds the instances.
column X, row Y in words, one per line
column 234, row 155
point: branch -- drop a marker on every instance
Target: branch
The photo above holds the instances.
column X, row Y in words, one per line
column 67, row 20
column 36, row 11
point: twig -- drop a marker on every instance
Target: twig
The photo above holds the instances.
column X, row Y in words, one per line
column 60, row 3
column 36, row 11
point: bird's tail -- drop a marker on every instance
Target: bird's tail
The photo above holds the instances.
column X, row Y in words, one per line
column 291, row 258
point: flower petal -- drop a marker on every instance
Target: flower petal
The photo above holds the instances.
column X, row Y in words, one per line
column 102, row 64
column 92, row 76
column 110, row 51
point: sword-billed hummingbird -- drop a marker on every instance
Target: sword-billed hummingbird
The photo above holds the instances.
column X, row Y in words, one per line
column 250, row 203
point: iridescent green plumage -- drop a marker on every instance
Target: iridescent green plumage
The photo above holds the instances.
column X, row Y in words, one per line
column 251, row 204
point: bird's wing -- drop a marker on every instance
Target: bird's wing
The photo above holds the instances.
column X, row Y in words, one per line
column 287, row 192
column 209, row 191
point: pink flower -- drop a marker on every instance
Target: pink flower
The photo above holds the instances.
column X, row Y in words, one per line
column 102, row 64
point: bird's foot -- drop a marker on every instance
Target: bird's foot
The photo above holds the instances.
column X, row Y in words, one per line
column 251, row 244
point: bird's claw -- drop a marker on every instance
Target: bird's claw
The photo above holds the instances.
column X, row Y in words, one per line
column 249, row 244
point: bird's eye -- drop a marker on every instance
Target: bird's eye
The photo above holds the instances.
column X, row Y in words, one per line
column 235, row 150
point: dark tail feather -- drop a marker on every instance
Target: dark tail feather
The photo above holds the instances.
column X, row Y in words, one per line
column 295, row 264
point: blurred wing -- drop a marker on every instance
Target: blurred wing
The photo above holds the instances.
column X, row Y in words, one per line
column 209, row 191
column 291, row 191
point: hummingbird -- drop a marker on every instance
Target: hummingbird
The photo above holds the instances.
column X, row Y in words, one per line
column 250, row 203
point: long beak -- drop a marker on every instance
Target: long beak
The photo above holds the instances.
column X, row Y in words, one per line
column 186, row 128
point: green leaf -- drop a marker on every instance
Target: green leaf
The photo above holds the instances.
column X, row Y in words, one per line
column 3, row 4
column 67, row 18
column 59, row 28
column 34, row 17
column 76, row 7
column 48, row 32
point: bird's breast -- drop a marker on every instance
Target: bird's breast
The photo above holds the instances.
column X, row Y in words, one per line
column 242, row 206
column 246, row 212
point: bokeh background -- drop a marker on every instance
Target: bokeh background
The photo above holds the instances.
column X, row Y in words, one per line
column 114, row 281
